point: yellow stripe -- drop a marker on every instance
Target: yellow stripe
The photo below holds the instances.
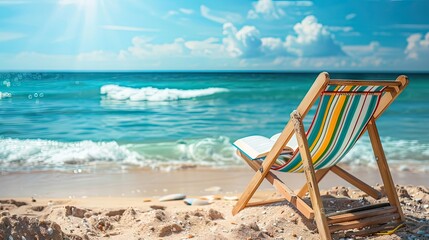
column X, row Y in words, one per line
column 324, row 120
column 320, row 132
column 336, row 114
column 332, row 124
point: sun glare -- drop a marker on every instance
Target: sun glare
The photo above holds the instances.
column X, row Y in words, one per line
column 82, row 4
column 83, row 21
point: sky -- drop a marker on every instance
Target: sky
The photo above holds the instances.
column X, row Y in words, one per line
column 346, row 35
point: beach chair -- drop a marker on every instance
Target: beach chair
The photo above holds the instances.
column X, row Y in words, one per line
column 346, row 109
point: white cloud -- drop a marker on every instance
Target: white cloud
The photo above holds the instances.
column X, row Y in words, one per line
column 97, row 56
column 243, row 43
column 209, row 47
column 246, row 43
column 362, row 50
column 418, row 46
column 312, row 40
column 372, row 55
column 143, row 47
column 339, row 28
column 266, row 8
column 294, row 3
column 411, row 26
column 218, row 16
column 186, row 11
column 270, row 9
column 350, row 16
column 8, row 36
column 129, row 28
column 171, row 13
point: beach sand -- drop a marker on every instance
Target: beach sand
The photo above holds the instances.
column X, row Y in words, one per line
column 124, row 205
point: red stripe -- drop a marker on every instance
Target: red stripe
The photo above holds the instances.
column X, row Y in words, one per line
column 350, row 92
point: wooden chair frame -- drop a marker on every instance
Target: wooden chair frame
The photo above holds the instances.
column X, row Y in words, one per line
column 349, row 219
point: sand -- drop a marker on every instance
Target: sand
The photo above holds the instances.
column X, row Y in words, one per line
column 54, row 205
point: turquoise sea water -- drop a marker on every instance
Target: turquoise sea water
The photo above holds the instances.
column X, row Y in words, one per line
column 72, row 120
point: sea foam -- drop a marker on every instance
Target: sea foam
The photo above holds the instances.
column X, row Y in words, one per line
column 154, row 94
column 16, row 154
column 33, row 152
column 401, row 154
column 5, row 95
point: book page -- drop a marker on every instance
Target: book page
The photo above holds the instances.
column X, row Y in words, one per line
column 254, row 146
column 292, row 144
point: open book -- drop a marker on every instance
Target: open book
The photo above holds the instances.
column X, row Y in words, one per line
column 258, row 146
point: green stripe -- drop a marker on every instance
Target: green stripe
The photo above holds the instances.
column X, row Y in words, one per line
column 324, row 107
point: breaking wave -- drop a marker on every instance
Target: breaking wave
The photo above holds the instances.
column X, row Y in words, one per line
column 154, row 94
column 30, row 154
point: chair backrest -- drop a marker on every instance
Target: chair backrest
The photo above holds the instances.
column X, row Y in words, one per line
column 345, row 107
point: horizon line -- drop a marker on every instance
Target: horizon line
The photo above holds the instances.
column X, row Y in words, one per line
column 217, row 71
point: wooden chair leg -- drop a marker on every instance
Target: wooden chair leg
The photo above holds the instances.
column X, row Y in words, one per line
column 313, row 188
column 320, row 174
column 380, row 157
column 282, row 189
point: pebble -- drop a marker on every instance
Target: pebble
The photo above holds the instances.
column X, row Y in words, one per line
column 147, row 200
column 213, row 189
column 172, row 197
column 214, row 215
column 211, row 197
column 200, row 202
column 196, row 202
column 188, row 201
column 115, row 213
column 230, row 198
column 426, row 206
column 156, row 207
column 5, row 213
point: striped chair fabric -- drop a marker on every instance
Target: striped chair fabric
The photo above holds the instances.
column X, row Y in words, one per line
column 341, row 117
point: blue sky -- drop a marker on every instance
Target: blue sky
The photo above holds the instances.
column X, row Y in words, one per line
column 214, row 35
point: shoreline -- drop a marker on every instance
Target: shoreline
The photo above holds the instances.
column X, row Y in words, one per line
column 138, row 182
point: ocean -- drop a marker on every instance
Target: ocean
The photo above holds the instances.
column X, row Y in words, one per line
column 167, row 120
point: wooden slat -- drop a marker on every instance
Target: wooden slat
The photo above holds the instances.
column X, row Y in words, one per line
column 359, row 215
column 390, row 96
column 319, row 176
column 305, row 210
column 358, row 209
column 282, row 189
column 389, row 186
column 269, row 201
column 346, row 82
column 313, row 188
column 356, row 182
column 312, row 95
column 364, row 222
